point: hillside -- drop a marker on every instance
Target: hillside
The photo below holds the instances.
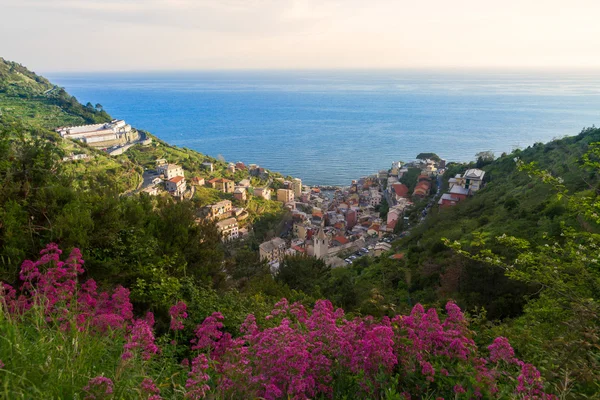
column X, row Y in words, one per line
column 520, row 257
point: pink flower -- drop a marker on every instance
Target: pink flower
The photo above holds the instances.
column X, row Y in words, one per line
column 141, row 339
column 459, row 389
column 99, row 387
column 150, row 389
column 501, row 350
column 208, row 332
column 197, row 378
column 178, row 315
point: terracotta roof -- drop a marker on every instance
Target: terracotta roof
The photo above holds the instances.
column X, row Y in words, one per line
column 398, row 256
column 400, row 189
column 340, row 239
column 298, row 248
column 176, row 179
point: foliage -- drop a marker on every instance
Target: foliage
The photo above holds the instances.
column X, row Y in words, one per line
column 430, row 156
column 64, row 339
column 565, row 269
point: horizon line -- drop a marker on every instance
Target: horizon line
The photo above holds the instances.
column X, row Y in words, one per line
column 516, row 69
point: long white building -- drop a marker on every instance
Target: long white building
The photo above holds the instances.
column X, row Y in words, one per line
column 115, row 130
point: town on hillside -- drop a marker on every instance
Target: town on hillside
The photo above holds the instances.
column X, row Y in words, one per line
column 334, row 224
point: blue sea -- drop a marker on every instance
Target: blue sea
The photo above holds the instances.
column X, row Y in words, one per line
column 329, row 127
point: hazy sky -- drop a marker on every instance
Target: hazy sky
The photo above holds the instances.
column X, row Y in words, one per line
column 90, row 35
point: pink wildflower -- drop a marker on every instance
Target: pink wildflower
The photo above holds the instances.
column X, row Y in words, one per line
column 150, row 389
column 99, row 387
column 459, row 389
column 208, row 332
column 197, row 378
column 501, row 350
column 141, row 339
column 178, row 315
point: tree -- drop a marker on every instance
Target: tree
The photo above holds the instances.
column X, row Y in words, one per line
column 430, row 156
column 98, row 107
column 304, row 273
column 484, row 158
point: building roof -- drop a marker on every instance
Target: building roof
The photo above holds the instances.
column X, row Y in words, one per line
column 219, row 180
column 474, row 173
column 459, row 190
column 341, row 240
column 400, row 189
column 176, row 179
column 383, row 246
column 397, row 256
column 272, row 244
column 226, row 222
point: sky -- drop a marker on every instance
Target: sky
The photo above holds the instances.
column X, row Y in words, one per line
column 130, row 35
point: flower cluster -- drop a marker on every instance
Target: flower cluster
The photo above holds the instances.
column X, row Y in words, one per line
column 99, row 387
column 178, row 315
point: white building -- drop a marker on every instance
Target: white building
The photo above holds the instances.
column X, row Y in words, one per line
column 170, row 170
column 176, row 185
column 96, row 133
column 229, row 229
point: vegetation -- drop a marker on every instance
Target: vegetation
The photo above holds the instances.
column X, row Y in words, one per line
column 430, row 156
column 521, row 257
column 68, row 340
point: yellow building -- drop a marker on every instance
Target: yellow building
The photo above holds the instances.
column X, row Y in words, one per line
column 285, row 195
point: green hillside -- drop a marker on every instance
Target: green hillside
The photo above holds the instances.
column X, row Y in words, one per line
column 521, row 256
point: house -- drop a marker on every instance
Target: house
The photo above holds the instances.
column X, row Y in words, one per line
column 422, row 188
column 176, row 186
column 240, row 166
column 228, row 228
column 220, row 209
column 285, row 195
column 394, row 214
column 373, row 230
column 231, row 168
column 151, row 190
column 374, row 197
column 447, row 200
column 400, row 190
column 339, row 240
column 273, row 250
column 301, row 230
column 209, row 166
column 263, row 192
column 170, row 170
column 381, row 247
column 197, row 181
column 244, row 183
column 459, row 192
column 222, row 184
column 472, row 179
column 239, row 193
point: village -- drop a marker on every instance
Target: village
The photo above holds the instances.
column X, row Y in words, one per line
column 334, row 224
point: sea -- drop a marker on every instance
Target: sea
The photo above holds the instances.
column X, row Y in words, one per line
column 329, row 127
